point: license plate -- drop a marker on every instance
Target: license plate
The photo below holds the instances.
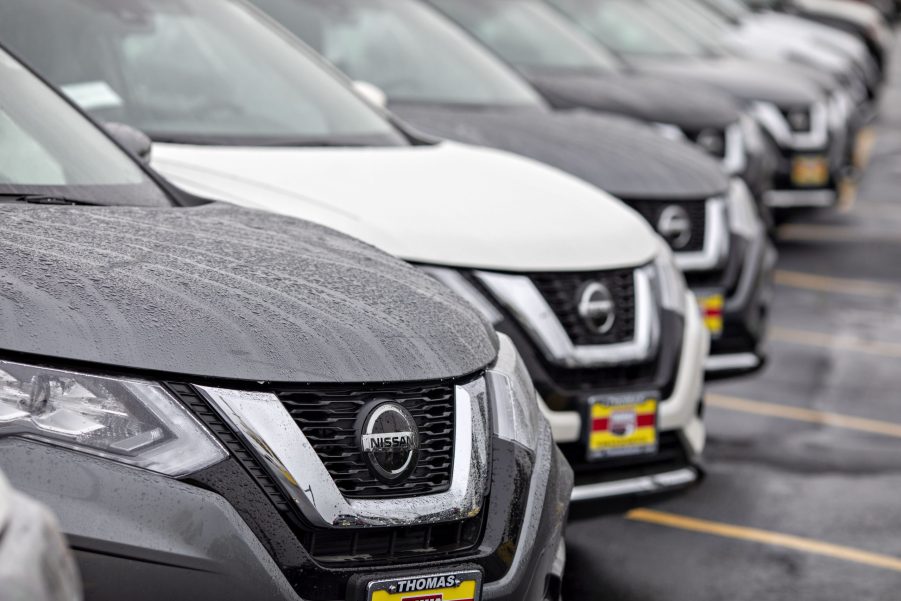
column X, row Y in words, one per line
column 622, row 425
column 447, row 586
column 711, row 305
column 810, row 171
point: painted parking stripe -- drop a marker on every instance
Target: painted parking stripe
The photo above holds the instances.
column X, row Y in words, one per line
column 844, row 343
column 819, row 283
column 812, row 416
column 765, row 537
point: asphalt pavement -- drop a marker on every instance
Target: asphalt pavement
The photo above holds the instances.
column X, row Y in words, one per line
column 802, row 499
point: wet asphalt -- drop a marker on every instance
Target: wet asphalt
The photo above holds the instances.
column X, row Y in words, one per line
column 809, row 448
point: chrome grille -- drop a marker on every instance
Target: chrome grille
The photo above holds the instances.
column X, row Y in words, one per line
column 328, row 419
column 562, row 292
column 697, row 216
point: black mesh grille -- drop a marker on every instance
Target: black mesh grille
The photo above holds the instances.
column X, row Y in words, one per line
column 408, row 543
column 328, row 420
column 562, row 292
column 697, row 216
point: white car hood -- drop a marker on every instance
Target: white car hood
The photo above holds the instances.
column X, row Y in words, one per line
column 447, row 204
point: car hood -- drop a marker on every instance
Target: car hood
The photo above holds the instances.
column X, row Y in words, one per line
column 654, row 99
column 443, row 204
column 626, row 158
column 745, row 79
column 223, row 292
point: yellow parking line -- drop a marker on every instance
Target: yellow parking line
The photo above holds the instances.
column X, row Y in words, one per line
column 765, row 537
column 809, row 281
column 825, row 418
column 846, row 343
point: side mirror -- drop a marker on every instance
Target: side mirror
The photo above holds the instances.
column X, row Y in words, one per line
column 134, row 140
column 372, row 93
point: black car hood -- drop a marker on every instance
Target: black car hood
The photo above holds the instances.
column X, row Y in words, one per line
column 654, row 99
column 618, row 155
column 746, row 80
column 223, row 292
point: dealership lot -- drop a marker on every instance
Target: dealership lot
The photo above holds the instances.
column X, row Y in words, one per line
column 803, row 461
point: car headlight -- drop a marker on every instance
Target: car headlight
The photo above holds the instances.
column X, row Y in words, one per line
column 133, row 422
column 713, row 141
column 744, row 219
column 670, row 131
column 668, row 280
column 516, row 416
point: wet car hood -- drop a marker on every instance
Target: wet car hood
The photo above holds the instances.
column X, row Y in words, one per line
column 654, row 99
column 623, row 157
column 444, row 204
column 747, row 80
column 223, row 292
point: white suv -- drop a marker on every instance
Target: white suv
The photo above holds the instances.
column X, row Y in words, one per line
column 240, row 111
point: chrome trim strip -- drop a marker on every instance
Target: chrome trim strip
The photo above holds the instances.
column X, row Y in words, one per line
column 263, row 422
column 531, row 310
column 731, row 362
column 736, row 159
column 772, row 119
column 641, row 485
column 716, row 240
column 783, row 199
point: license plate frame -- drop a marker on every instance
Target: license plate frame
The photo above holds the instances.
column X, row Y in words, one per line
column 609, row 419
column 464, row 584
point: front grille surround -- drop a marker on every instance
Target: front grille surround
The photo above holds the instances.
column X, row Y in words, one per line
column 562, row 292
column 696, row 210
column 328, row 419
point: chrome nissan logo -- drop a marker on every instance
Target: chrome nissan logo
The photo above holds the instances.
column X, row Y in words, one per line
column 597, row 309
column 389, row 440
column 675, row 226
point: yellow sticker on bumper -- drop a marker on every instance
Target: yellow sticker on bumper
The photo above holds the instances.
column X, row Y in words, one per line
column 810, row 171
column 712, row 312
column 623, row 429
column 424, row 589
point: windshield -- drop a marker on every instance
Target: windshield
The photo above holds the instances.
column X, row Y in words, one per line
column 631, row 28
column 528, row 34
column 384, row 42
column 192, row 71
column 48, row 148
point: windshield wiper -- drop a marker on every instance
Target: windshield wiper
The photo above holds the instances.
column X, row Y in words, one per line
column 46, row 199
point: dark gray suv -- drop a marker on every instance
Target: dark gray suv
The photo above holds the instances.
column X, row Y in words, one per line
column 224, row 404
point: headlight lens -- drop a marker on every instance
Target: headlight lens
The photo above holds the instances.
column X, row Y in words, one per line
column 713, row 141
column 744, row 220
column 670, row 131
column 130, row 421
column 514, row 401
column 669, row 281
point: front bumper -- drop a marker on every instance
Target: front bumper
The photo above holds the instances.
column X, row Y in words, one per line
column 738, row 349
column 142, row 536
column 681, row 427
